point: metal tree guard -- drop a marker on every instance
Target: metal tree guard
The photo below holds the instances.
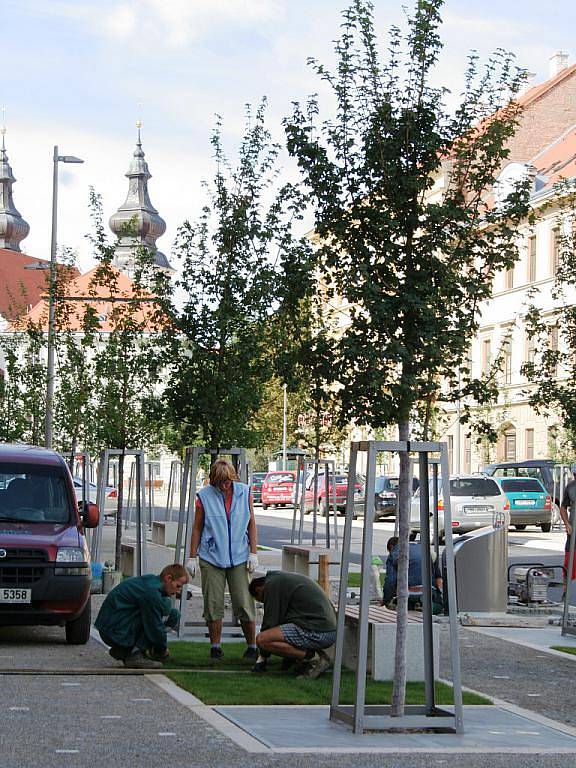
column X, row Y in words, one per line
column 329, row 472
column 377, row 717
column 141, row 554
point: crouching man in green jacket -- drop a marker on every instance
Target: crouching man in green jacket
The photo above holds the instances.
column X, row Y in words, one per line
column 299, row 622
column 134, row 616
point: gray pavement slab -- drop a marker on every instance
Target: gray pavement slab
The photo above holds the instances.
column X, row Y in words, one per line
column 487, row 728
column 539, row 638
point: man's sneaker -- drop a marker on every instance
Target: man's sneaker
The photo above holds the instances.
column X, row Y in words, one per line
column 260, row 666
column 251, row 654
column 287, row 664
column 118, row 653
column 216, row 652
column 139, row 661
column 317, row 665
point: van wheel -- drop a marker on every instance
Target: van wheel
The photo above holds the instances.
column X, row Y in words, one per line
column 264, row 506
column 78, row 630
column 546, row 527
column 520, row 527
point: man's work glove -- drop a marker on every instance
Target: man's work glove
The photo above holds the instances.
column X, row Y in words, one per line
column 192, row 566
column 252, row 563
column 172, row 619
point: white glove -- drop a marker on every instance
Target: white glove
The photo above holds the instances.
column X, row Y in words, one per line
column 192, row 566
column 252, row 563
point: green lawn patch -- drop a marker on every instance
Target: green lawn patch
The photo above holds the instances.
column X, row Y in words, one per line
column 354, row 579
column 235, row 684
column 565, row 649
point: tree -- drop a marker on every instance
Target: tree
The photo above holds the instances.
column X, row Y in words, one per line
column 412, row 264
column 553, row 369
column 242, row 265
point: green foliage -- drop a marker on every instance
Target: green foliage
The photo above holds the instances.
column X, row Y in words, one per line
column 412, row 265
column 242, row 269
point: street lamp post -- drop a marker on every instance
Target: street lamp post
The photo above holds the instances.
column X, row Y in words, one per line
column 51, row 299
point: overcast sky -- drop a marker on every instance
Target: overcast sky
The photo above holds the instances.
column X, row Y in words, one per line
column 79, row 73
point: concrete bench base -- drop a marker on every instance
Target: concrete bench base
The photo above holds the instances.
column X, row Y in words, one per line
column 382, row 645
column 164, row 533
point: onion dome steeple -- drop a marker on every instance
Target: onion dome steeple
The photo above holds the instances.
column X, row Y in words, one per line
column 13, row 228
column 137, row 223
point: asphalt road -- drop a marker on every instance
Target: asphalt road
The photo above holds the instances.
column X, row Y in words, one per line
column 531, row 545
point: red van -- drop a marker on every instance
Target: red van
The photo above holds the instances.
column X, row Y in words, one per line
column 278, row 488
column 45, row 569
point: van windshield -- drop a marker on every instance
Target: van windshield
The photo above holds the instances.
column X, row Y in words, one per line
column 280, row 478
column 30, row 493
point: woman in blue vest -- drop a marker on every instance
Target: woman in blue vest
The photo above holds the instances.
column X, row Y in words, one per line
column 224, row 543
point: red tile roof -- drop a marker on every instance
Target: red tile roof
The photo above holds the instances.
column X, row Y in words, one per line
column 84, row 286
column 537, row 91
column 21, row 288
column 558, row 160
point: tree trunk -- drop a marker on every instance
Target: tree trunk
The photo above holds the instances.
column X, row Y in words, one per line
column 118, row 546
column 404, row 492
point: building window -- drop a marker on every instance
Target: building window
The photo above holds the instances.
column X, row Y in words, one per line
column 529, row 443
column 510, row 445
column 509, row 279
column 507, row 361
column 555, row 252
column 486, row 356
column 531, row 272
column 467, row 454
column 530, row 349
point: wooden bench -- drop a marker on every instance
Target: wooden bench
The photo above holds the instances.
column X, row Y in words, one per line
column 382, row 643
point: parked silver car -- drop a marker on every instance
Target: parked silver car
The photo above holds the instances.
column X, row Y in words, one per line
column 475, row 501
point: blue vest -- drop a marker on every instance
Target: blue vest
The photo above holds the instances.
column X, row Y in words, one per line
column 224, row 542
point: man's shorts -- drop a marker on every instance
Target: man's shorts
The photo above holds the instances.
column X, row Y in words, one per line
column 307, row 638
column 214, row 581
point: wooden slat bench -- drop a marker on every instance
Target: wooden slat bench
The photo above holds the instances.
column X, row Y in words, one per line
column 382, row 642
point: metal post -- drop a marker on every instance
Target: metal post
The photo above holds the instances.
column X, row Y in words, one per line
column 284, row 458
column 344, row 566
column 181, row 554
column 367, row 536
column 131, row 479
column 51, row 308
column 436, row 531
column 426, row 585
column 451, row 586
column 566, row 629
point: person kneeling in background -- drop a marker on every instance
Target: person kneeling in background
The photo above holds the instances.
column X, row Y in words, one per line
column 134, row 616
column 299, row 621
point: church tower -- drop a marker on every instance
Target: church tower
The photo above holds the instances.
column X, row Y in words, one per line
column 137, row 223
column 13, row 228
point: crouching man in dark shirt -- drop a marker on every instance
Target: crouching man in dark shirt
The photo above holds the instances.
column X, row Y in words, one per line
column 299, row 622
column 134, row 617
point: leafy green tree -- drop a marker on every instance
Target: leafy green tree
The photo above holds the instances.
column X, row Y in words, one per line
column 552, row 372
column 411, row 262
column 242, row 266
column 23, row 386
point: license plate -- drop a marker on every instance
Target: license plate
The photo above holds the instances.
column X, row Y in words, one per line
column 525, row 502
column 476, row 510
column 8, row 595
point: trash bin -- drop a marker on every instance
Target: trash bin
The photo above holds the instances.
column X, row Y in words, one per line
column 481, row 567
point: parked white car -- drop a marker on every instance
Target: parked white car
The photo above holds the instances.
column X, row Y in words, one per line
column 110, row 500
column 475, row 502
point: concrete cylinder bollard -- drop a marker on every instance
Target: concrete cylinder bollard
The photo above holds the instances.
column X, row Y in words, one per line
column 110, row 579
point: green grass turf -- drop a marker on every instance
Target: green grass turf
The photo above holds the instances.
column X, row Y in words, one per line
column 565, row 649
column 354, row 579
column 235, row 684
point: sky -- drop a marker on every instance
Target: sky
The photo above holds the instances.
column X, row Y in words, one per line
column 80, row 73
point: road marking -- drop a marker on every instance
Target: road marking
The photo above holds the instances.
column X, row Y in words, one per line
column 70, row 685
column 140, row 699
column 555, row 546
column 166, row 733
column 534, row 695
column 111, row 717
column 501, row 677
column 67, row 751
column 19, row 709
column 528, row 733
